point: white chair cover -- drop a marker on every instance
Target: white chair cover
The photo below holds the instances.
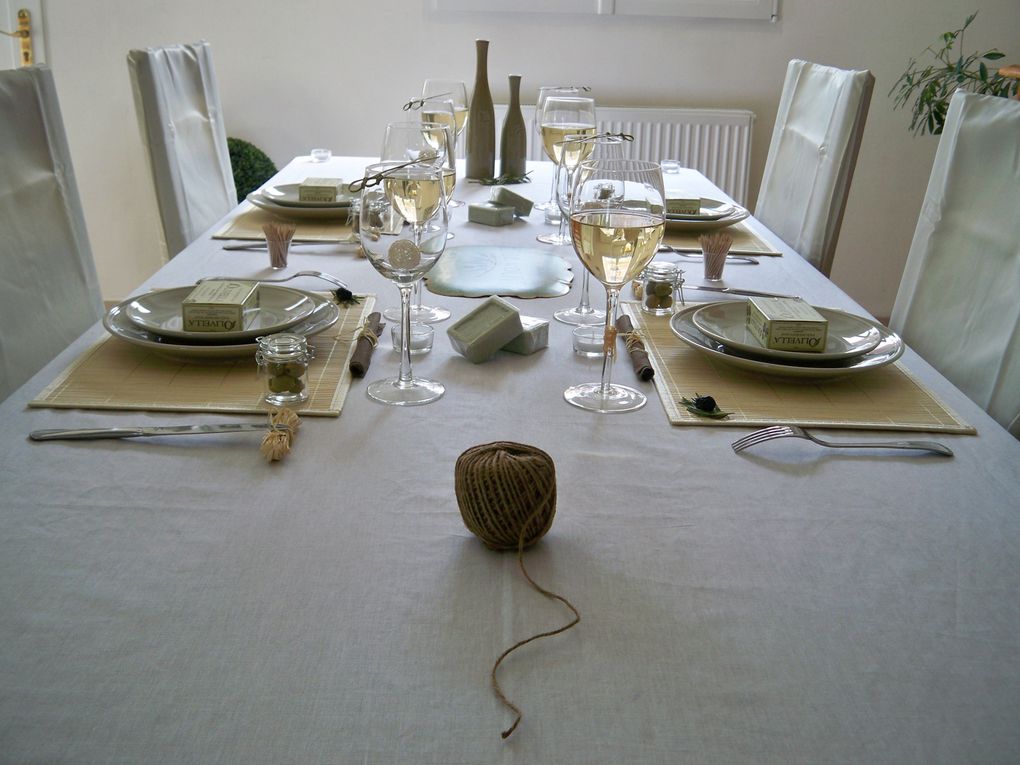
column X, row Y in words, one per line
column 958, row 303
column 178, row 107
column 812, row 155
column 49, row 293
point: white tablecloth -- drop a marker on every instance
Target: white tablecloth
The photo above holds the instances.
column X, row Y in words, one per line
column 181, row 601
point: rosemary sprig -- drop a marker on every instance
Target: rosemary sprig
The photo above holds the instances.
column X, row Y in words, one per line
column 503, row 180
column 704, row 406
column 418, row 103
column 345, row 297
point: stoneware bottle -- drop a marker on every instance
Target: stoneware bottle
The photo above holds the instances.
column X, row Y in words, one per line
column 481, row 126
column 513, row 141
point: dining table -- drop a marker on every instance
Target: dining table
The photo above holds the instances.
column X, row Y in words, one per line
column 182, row 600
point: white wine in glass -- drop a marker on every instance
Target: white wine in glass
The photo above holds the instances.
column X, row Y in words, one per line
column 544, row 93
column 617, row 218
column 563, row 116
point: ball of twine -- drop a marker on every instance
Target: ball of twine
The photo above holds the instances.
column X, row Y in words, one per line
column 506, row 492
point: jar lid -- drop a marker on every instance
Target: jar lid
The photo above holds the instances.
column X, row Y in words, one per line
column 661, row 269
column 283, row 344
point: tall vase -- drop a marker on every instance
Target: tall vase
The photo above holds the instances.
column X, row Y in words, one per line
column 481, row 128
column 513, row 141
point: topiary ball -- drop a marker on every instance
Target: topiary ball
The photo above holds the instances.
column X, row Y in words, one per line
column 251, row 166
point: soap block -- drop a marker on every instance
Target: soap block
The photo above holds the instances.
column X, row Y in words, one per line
column 490, row 214
column 319, row 189
column 786, row 324
column 501, row 195
column 683, row 205
column 220, row 306
column 534, row 337
column 485, row 330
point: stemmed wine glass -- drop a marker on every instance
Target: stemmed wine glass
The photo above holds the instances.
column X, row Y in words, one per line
column 455, row 92
column 443, row 111
column 403, row 225
column 563, row 116
column 550, row 207
column 617, row 217
column 576, row 149
column 428, row 142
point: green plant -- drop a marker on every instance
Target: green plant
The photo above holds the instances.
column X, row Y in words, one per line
column 928, row 88
column 250, row 165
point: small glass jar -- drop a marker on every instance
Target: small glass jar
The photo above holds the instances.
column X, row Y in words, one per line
column 283, row 363
column 658, row 287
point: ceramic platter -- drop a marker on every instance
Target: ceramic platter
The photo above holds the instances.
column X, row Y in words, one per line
column 324, row 314
column 707, row 220
column 889, row 348
column 263, row 202
column 483, row 270
column 159, row 312
column 288, row 195
column 848, row 335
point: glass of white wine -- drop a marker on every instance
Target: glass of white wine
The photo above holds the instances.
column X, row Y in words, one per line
column 575, row 149
column 617, row 218
column 454, row 91
column 563, row 116
column 443, row 111
column 545, row 92
column 403, row 224
column 429, row 142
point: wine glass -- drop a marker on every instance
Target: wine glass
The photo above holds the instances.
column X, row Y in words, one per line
column 550, row 207
column 455, row 93
column 617, row 218
column 420, row 141
column 403, row 225
column 563, row 116
column 575, row 149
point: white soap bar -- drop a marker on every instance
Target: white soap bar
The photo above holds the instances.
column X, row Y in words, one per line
column 534, row 337
column 319, row 189
column 485, row 330
column 786, row 324
column 220, row 306
column 683, row 206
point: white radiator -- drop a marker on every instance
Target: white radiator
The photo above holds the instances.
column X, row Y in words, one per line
column 716, row 142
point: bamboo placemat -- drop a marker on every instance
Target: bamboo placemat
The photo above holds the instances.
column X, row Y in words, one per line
column 745, row 241
column 248, row 225
column 889, row 398
column 113, row 374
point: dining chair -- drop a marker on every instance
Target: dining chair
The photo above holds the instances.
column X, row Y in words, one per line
column 812, row 155
column 49, row 293
column 958, row 304
column 178, row 106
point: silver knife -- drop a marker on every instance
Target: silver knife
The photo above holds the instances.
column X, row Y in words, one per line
column 264, row 246
column 82, row 434
column 735, row 291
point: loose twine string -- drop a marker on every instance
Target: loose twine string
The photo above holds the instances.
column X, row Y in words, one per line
column 507, row 496
column 369, row 334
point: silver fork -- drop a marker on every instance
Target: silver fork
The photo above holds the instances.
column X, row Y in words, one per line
column 297, row 275
column 792, row 431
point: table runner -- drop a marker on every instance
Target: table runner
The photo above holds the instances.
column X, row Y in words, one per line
column 248, row 225
column 889, row 398
column 113, row 374
column 745, row 241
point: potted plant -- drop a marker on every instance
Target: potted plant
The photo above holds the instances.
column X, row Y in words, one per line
column 927, row 88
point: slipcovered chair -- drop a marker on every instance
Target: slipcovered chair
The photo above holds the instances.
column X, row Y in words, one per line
column 958, row 304
column 49, row 293
column 812, row 156
column 178, row 107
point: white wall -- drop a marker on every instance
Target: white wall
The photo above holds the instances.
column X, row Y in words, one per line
column 305, row 73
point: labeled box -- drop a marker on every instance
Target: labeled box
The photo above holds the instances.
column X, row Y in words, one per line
column 683, row 205
column 786, row 324
column 220, row 306
column 320, row 189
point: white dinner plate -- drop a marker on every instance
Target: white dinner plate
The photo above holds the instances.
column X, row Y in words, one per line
column 695, row 225
column 324, row 315
column 300, row 213
column 288, row 195
column 848, row 335
column 711, row 209
column 160, row 313
column 889, row 348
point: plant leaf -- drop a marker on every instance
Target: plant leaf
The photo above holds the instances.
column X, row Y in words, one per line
column 994, row 55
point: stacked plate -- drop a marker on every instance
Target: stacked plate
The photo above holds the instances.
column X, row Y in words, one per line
column 855, row 344
column 283, row 201
column 153, row 321
column 713, row 214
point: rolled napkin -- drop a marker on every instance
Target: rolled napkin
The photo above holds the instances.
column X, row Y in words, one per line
column 635, row 347
column 368, row 339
